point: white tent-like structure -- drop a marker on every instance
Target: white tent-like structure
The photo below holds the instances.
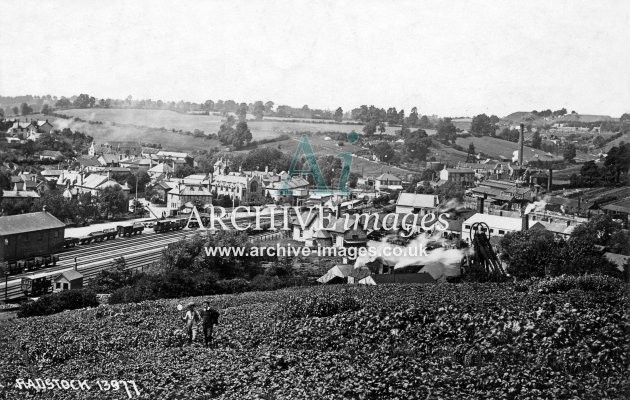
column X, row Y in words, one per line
column 345, row 272
column 338, row 271
column 367, row 281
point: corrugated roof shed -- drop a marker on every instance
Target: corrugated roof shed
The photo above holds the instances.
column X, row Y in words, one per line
column 31, row 222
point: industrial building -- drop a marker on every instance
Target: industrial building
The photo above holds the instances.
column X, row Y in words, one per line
column 29, row 235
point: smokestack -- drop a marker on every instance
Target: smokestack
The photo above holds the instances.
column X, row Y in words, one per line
column 550, row 181
column 521, row 137
column 480, row 201
column 524, row 222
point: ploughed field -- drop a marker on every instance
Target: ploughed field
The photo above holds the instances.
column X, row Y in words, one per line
column 392, row 341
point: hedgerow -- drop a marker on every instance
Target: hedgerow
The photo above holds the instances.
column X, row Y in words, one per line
column 57, row 302
column 588, row 282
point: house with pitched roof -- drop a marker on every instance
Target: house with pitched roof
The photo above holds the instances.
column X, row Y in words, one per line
column 51, row 155
column 20, row 192
column 94, row 183
column 387, row 182
column 171, row 155
column 280, row 191
column 462, row 176
column 161, row 171
column 110, row 159
column 183, row 196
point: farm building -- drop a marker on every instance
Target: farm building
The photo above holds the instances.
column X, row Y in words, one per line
column 68, row 280
column 30, row 235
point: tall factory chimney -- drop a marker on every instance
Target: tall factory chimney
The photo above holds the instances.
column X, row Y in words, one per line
column 480, row 201
column 550, row 181
column 521, row 138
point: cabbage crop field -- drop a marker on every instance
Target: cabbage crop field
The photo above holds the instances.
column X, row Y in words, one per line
column 423, row 341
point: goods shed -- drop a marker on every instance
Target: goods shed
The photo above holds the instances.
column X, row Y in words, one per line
column 30, row 235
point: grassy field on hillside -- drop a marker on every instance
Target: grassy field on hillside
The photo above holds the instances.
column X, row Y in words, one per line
column 385, row 342
column 497, row 148
column 322, row 147
column 264, row 129
column 108, row 131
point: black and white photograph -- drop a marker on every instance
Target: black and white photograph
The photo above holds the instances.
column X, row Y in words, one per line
column 305, row 200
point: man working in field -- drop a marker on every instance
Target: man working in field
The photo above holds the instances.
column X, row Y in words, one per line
column 191, row 318
column 209, row 317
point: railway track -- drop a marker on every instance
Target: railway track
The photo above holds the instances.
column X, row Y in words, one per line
column 90, row 259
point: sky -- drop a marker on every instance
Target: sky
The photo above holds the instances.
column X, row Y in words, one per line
column 450, row 58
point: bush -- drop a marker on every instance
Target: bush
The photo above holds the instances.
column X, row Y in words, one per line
column 263, row 283
column 237, row 285
column 131, row 294
column 57, row 302
column 321, row 304
column 587, row 283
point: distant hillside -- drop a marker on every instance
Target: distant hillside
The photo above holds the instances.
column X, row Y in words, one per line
column 526, row 116
column 519, row 116
column 587, row 118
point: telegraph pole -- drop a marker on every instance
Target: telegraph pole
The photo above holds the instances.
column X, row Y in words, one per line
column 6, row 286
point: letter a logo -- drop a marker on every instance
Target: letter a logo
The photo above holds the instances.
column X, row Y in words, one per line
column 305, row 147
